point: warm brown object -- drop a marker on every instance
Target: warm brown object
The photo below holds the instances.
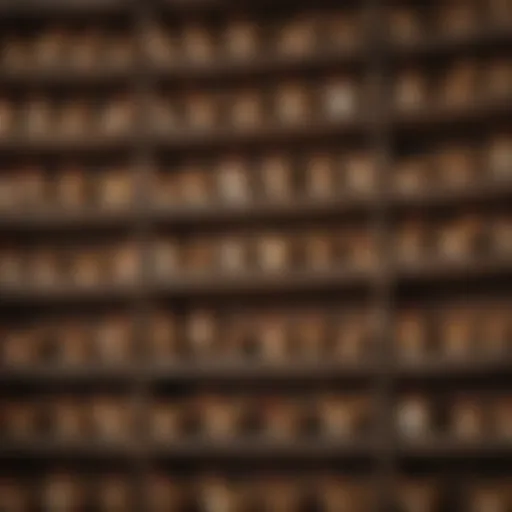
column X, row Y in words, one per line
column 18, row 347
column 50, row 47
column 117, row 116
column 87, row 268
column 413, row 417
column 199, row 255
column 246, row 110
column 165, row 192
column 38, row 117
column 115, row 188
column 241, row 39
column 319, row 251
column 118, row 51
column 499, row 157
column 405, row 25
column 277, row 177
column 69, row 419
column 297, row 37
column 166, row 421
column 455, row 165
column 113, row 339
column 461, row 238
column 488, row 497
column 320, row 176
column 291, row 105
column 457, row 18
column 359, row 172
column 9, row 192
column 272, row 250
column 201, row 332
column 198, row 45
column 501, row 235
column 74, row 343
column 124, row 263
column 214, row 494
column 164, row 114
column 495, row 331
column 411, row 90
column 308, row 335
column 272, row 335
column 160, row 46
column 163, row 337
column 194, row 185
column 163, row 494
column 111, row 418
column 501, row 416
column 232, row 254
column 467, row 418
column 344, row 416
column 279, row 494
column 411, row 336
column 500, row 12
column 62, row 491
column 339, row 98
column 201, row 110
column 233, row 184
column 114, row 494
column 456, row 331
column 11, row 267
column 6, row 117
column 280, row 417
column 418, row 496
column 13, row 495
column 32, row 187
column 72, row 187
column 413, row 175
column 74, row 119
column 18, row 419
column 165, row 258
column 16, row 53
column 498, row 78
column 344, row 494
column 352, row 337
column 342, row 30
column 86, row 49
column 220, row 415
column 44, row 267
column 459, row 86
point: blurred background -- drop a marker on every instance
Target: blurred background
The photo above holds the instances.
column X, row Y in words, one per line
column 255, row 257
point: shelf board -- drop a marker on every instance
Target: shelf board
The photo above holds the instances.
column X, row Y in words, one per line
column 254, row 448
column 55, row 8
column 453, row 448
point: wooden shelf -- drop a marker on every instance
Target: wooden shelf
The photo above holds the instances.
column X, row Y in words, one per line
column 454, row 449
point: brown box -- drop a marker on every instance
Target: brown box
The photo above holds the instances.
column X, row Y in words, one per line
column 71, row 187
column 194, row 185
column 117, row 116
column 241, row 39
column 44, row 267
column 165, row 188
column 461, row 238
column 457, row 18
column 114, row 494
column 12, row 270
column 495, row 330
column 499, row 155
column 197, row 44
column 164, row 114
column 199, row 255
column 467, row 418
column 32, row 184
column 291, row 104
column 86, row 48
column 297, row 37
column 39, row 117
column 309, row 335
column 74, row 118
column 111, row 418
column 50, row 47
column 124, row 263
column 456, row 331
column 319, row 250
column 214, row 494
column 115, row 188
column 344, row 416
column 488, row 497
column 87, row 268
column 412, row 242
column 420, row 496
column 160, row 46
column 62, row 491
column 233, row 183
column 501, row 416
column 413, row 175
column 281, row 417
column 413, row 417
column 166, row 421
column 201, row 110
column 246, row 109
column 19, row 419
column 220, row 415
column 18, row 347
column 498, row 78
column 455, row 165
column 163, row 338
column 69, row 419
column 233, row 254
column 164, row 494
column 339, row 98
column 273, row 252
column 405, row 25
column 501, row 234
column 342, row 29
column 74, row 344
column 321, row 176
column 166, row 258
column 277, row 177
column 279, row 494
column 352, row 337
column 412, row 336
column 411, row 90
column 360, row 173
column 201, row 332
column 337, row 494
column 113, row 339
column 13, row 495
column 272, row 334
column 459, row 85
column 7, row 116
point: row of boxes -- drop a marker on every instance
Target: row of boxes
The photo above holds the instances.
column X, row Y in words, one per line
column 40, row 116
column 455, row 165
column 467, row 417
column 410, row 23
column 457, row 238
column 462, row 331
column 460, row 84
column 31, row 188
column 81, row 267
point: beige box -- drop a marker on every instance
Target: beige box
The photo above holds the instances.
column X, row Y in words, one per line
column 297, row 37
column 360, row 173
column 62, row 491
column 458, row 239
column 233, row 184
column 113, row 339
column 411, row 335
column 456, row 331
column 292, row 104
column 38, row 117
column 115, row 188
column 241, row 39
column 467, row 418
column 124, row 263
column 499, row 156
column 111, row 418
column 413, row 175
column 276, row 174
column 197, row 44
column 74, row 118
column 321, row 176
column 117, row 116
column 194, row 184
column 459, row 85
column 161, row 47
column 246, row 109
column 202, row 332
column 166, row 421
column 405, row 25
column 339, row 98
column 272, row 252
column 411, row 90
column 413, row 417
column 71, row 187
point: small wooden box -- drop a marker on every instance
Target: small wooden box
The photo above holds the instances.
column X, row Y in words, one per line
column 272, row 334
column 499, row 156
column 292, row 104
column 201, row 110
column 297, row 37
column 233, row 254
column 111, row 419
column 413, row 175
column 359, row 172
column 194, row 185
column 166, row 258
column 116, row 117
column 273, row 252
column 405, row 25
column 457, row 333
column 113, row 339
column 71, row 188
column 114, row 494
column 411, row 90
column 412, row 336
column 339, row 98
column 87, row 268
column 220, row 416
column 277, row 177
column 69, row 419
column 62, row 491
column 197, row 44
column 166, row 421
column 241, row 39
column 459, row 85
column 320, row 176
column 461, row 238
column 74, row 118
column 233, row 184
column 201, row 332
column 414, row 417
column 115, row 188
column 163, row 339
column 467, row 418
column 246, row 110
